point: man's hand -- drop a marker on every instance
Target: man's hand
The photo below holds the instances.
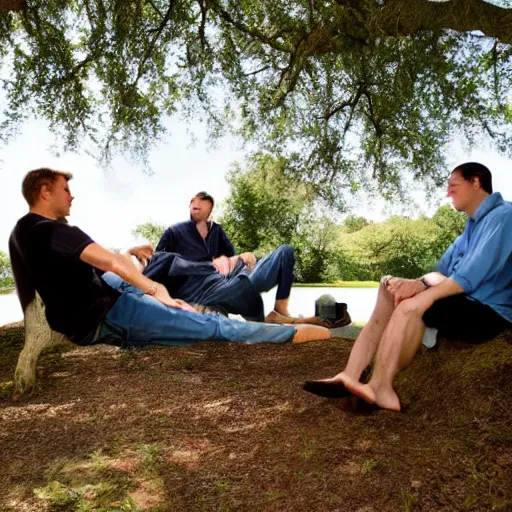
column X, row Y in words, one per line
column 223, row 265
column 142, row 252
column 163, row 296
column 249, row 259
column 185, row 306
column 402, row 289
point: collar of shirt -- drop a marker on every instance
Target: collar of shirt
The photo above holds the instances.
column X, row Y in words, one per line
column 489, row 203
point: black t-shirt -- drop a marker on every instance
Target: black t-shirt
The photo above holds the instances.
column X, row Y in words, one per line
column 45, row 256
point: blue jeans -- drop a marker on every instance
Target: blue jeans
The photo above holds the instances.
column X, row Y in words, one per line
column 140, row 319
column 275, row 269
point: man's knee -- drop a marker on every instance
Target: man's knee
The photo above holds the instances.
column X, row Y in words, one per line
column 408, row 308
column 286, row 252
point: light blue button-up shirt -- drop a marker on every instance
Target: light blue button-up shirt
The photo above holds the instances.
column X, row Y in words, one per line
column 480, row 260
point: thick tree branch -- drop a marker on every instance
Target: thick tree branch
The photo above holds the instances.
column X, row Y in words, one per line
column 202, row 37
column 149, row 51
column 407, row 17
column 12, row 5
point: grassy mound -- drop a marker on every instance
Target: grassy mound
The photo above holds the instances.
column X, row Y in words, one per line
column 224, row 427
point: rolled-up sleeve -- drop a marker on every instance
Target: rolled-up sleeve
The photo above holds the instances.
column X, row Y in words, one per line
column 444, row 264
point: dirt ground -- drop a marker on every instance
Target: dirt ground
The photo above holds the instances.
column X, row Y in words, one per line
column 227, row 427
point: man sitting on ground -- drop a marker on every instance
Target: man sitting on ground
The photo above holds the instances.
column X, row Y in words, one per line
column 199, row 239
column 92, row 294
column 202, row 240
column 236, row 293
column 469, row 297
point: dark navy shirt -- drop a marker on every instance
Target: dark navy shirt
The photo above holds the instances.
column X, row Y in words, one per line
column 184, row 239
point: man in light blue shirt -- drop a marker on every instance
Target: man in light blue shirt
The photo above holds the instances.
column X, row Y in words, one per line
column 469, row 297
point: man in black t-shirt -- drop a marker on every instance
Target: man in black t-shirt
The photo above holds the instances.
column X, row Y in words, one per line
column 90, row 292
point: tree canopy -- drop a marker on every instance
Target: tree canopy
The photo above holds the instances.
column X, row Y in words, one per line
column 351, row 92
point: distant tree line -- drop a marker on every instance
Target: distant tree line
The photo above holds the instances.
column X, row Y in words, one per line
column 266, row 208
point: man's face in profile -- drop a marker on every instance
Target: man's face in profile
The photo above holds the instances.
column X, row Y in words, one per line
column 460, row 191
column 200, row 209
column 61, row 197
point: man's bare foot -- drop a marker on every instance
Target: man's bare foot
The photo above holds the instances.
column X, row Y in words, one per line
column 353, row 386
column 275, row 317
column 307, row 333
column 386, row 398
column 361, row 390
column 326, row 389
column 383, row 396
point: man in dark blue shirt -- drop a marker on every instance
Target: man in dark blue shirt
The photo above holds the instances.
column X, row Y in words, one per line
column 199, row 239
column 202, row 240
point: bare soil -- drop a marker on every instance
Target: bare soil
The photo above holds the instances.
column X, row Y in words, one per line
column 227, row 427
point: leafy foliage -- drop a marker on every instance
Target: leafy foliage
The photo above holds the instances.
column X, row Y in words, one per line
column 266, row 209
column 353, row 223
column 399, row 246
column 351, row 93
column 151, row 232
column 6, row 277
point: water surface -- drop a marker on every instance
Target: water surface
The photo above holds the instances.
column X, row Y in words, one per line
column 302, row 301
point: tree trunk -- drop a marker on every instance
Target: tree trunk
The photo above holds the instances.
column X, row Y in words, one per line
column 38, row 335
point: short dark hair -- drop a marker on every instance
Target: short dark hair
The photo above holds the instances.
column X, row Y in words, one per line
column 204, row 196
column 471, row 170
column 36, row 179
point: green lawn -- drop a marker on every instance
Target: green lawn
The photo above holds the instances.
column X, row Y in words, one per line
column 340, row 284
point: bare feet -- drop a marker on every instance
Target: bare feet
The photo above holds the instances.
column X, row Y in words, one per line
column 307, row 333
column 361, row 390
column 384, row 397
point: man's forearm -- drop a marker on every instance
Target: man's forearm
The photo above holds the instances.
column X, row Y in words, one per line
column 120, row 264
column 127, row 271
column 445, row 288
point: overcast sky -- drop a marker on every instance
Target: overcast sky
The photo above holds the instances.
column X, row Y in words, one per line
column 109, row 204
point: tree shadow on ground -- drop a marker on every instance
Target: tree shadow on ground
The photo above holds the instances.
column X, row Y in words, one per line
column 222, row 426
